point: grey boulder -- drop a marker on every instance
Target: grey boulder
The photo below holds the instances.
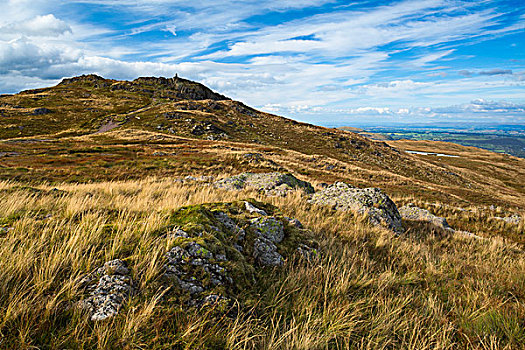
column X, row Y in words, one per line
column 372, row 202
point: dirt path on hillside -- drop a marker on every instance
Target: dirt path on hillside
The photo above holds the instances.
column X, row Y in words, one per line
column 111, row 124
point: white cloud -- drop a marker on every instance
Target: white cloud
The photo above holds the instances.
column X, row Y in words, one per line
column 27, row 57
column 319, row 64
column 47, row 25
column 425, row 60
column 171, row 29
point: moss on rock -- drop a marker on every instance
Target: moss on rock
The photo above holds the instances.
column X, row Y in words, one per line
column 219, row 251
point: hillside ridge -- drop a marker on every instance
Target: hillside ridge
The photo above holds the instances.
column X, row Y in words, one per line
column 126, row 121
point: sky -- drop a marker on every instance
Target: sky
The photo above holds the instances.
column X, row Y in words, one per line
column 328, row 62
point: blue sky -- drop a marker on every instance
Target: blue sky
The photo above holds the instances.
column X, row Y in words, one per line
column 322, row 61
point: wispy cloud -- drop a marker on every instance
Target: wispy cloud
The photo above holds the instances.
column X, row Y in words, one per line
column 307, row 56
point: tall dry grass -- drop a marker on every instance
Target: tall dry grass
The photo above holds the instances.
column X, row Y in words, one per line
column 370, row 289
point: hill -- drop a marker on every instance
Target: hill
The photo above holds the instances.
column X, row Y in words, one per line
column 156, row 213
column 89, row 128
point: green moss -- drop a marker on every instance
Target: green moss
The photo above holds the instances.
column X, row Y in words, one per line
column 215, row 238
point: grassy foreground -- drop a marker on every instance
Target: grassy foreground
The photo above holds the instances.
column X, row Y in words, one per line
column 370, row 289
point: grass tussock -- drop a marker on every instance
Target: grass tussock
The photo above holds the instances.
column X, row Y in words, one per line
column 369, row 289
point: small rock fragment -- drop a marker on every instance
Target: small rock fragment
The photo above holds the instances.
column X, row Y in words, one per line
column 178, row 233
column 307, row 252
column 294, row 222
column 253, row 209
column 513, row 219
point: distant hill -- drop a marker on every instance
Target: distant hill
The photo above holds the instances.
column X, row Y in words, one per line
column 370, row 135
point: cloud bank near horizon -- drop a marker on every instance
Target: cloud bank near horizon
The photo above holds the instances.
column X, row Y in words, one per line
column 317, row 60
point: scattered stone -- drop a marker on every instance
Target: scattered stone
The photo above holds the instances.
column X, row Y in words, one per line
column 253, row 157
column 411, row 212
column 372, row 202
column 307, row 252
column 514, row 219
column 109, row 287
column 5, row 230
column 294, row 222
column 273, row 184
column 466, row 234
column 199, row 178
column 9, row 154
column 217, row 137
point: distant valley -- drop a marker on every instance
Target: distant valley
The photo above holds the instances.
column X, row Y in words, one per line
column 508, row 139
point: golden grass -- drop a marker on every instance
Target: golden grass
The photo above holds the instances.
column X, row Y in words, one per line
column 370, row 289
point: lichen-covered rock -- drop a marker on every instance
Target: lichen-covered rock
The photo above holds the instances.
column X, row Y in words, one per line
column 410, row 212
column 265, row 252
column 186, row 263
column 269, row 231
column 231, row 225
column 220, row 250
column 274, row 184
column 268, row 227
column 109, row 288
column 372, row 202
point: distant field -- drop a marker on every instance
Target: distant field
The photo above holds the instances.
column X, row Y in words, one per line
column 501, row 142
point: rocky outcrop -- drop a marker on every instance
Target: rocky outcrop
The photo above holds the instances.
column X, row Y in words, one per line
column 86, row 78
column 215, row 252
column 273, row 184
column 41, row 111
column 372, row 202
column 109, row 287
column 411, row 212
column 179, row 88
column 172, row 88
column 218, row 250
